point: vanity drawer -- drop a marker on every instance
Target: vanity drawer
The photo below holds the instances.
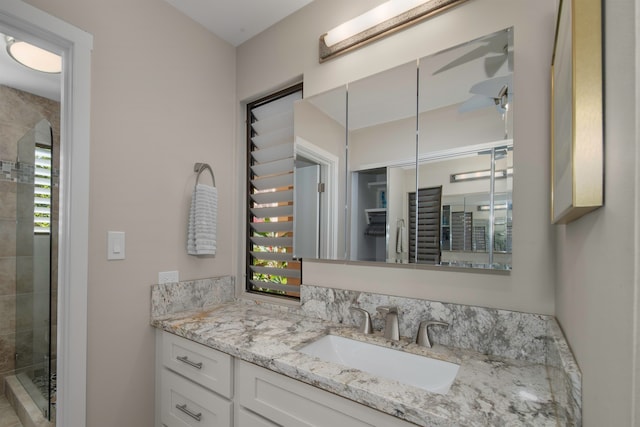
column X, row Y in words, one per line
column 246, row 418
column 206, row 366
column 185, row 403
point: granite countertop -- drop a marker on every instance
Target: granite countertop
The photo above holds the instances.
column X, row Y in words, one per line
column 487, row 391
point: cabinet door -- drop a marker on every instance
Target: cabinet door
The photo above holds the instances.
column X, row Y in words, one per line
column 206, row 366
column 185, row 403
column 288, row 402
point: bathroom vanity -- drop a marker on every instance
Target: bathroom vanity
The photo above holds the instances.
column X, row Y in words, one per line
column 238, row 363
column 214, row 388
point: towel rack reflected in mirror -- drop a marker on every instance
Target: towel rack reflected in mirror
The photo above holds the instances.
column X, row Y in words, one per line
column 199, row 167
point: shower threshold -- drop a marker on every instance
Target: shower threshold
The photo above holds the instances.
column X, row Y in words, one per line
column 28, row 412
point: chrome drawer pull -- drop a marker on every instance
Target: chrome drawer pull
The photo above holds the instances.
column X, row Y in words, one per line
column 193, row 415
column 186, row 360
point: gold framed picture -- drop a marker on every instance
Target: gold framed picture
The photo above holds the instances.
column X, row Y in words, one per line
column 577, row 150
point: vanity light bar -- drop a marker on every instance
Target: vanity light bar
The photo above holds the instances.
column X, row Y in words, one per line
column 385, row 19
column 487, row 208
column 371, row 18
column 470, row 176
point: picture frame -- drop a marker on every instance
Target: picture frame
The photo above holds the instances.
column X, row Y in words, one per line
column 577, row 143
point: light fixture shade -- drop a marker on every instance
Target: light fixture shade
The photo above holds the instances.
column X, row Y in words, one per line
column 33, row 57
column 389, row 17
column 369, row 19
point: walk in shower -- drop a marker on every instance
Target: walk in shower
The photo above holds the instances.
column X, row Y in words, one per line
column 35, row 284
column 28, row 251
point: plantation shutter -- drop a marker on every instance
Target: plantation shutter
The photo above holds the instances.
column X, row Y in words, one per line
column 461, row 231
column 271, row 267
column 42, row 191
column 424, row 246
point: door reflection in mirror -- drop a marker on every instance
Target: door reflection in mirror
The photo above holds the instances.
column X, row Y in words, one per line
column 320, row 129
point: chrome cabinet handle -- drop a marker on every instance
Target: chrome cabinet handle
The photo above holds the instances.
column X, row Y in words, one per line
column 193, row 415
column 186, row 360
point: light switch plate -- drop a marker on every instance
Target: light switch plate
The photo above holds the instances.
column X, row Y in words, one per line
column 168, row 277
column 115, row 245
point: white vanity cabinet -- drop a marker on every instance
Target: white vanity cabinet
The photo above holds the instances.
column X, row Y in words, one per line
column 195, row 387
column 288, row 402
column 194, row 384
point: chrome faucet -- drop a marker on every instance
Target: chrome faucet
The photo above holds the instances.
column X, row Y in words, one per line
column 365, row 326
column 423, row 332
column 391, row 327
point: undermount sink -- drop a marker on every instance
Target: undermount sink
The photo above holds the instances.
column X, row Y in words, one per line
column 419, row 371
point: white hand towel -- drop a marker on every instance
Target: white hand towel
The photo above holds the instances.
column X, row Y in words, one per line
column 203, row 215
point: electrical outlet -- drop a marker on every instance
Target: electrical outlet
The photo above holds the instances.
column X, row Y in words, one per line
column 168, row 277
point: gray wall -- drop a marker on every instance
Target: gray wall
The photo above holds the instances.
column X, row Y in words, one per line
column 592, row 293
column 151, row 120
column 274, row 57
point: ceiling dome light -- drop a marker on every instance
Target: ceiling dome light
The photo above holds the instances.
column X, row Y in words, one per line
column 33, row 57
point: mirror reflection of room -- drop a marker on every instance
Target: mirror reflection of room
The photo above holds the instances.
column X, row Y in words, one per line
column 381, row 138
column 429, row 152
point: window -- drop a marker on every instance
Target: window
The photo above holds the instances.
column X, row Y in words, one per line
column 42, row 190
column 271, row 268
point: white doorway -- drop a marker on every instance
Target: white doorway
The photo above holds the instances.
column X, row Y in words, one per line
column 308, row 199
column 320, row 224
column 36, row 27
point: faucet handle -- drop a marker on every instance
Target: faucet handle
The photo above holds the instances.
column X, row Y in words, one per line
column 423, row 332
column 365, row 326
column 386, row 309
column 391, row 325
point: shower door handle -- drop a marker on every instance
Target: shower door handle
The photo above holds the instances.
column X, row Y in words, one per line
column 193, row 415
column 185, row 359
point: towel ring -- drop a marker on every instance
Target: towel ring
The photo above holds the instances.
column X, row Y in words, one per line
column 200, row 167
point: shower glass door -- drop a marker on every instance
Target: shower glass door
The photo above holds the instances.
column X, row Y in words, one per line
column 34, row 266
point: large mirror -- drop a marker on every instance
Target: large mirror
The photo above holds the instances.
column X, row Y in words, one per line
column 424, row 158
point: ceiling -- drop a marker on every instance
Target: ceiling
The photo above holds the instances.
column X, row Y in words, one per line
column 234, row 21
column 237, row 21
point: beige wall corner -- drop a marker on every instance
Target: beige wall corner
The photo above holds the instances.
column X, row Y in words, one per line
column 598, row 260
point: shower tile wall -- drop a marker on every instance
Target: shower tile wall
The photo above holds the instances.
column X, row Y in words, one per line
column 19, row 112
